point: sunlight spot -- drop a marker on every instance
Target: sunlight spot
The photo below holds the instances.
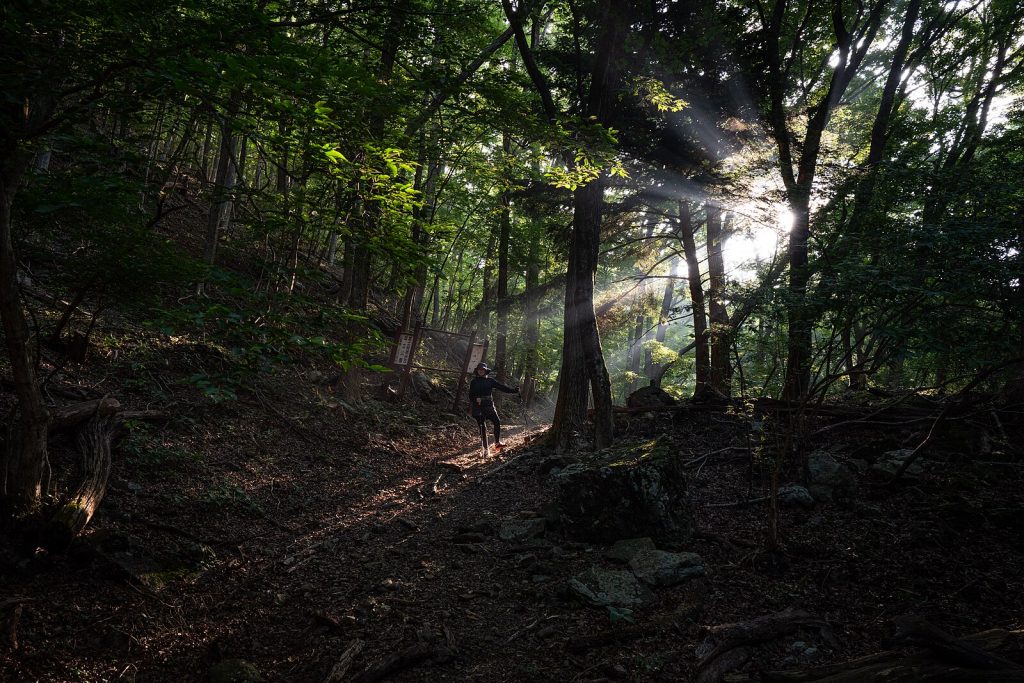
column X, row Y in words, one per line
column 785, row 219
column 744, row 249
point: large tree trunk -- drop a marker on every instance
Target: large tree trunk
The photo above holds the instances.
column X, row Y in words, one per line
column 700, row 321
column 26, row 444
column 721, row 333
column 799, row 317
column 582, row 358
column 798, row 162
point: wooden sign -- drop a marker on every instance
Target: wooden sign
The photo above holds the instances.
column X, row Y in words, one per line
column 403, row 349
column 476, row 355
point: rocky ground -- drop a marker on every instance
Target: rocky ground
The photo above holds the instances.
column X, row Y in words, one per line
column 281, row 538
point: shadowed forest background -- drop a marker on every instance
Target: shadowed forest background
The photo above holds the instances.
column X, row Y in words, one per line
column 755, row 267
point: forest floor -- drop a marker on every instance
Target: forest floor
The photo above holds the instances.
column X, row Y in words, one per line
column 278, row 531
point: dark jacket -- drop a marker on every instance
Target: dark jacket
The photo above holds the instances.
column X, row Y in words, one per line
column 481, row 387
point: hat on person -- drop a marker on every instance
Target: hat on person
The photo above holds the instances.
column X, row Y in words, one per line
column 482, row 366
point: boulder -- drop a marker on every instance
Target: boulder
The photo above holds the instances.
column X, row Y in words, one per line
column 794, row 495
column 424, row 386
column 624, row 550
column 605, row 501
column 555, row 464
column 610, row 587
column 235, row 671
column 889, row 464
column 660, row 568
column 650, row 397
column 828, row 479
column 521, row 529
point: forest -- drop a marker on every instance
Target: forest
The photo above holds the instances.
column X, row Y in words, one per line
column 749, row 271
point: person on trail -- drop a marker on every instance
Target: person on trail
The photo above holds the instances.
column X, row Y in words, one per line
column 481, row 403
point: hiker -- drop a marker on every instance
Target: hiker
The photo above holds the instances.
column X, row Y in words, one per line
column 482, row 404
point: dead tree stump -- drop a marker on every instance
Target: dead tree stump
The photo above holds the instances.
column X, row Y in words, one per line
column 94, row 439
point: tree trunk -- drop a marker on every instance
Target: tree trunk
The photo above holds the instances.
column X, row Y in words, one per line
column 799, row 317
column 224, row 184
column 531, row 321
column 700, row 321
column 372, row 213
column 487, row 296
column 721, row 336
column 348, row 265
column 654, row 369
column 582, row 357
column 504, row 227
column 26, row 448
column 637, row 336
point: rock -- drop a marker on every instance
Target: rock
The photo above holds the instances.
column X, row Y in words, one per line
column 551, row 514
column 828, row 479
column 235, row 671
column 469, row 537
column 795, row 496
column 525, row 560
column 624, row 550
column 660, row 568
column 618, row 672
column 555, row 464
column 427, row 388
column 603, row 502
column 521, row 529
column 616, row 587
column 889, row 464
column 650, row 397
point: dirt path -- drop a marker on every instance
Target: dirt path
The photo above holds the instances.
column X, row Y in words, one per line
column 386, row 531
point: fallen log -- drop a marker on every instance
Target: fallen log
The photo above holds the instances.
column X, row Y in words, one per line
column 403, row 659
column 732, row 640
column 69, row 417
column 992, row 655
column 627, row 634
column 917, row 631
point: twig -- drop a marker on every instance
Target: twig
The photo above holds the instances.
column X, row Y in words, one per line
column 502, row 466
column 344, row 663
column 739, row 503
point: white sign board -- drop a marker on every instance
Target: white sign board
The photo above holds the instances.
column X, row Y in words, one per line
column 403, row 349
column 475, row 356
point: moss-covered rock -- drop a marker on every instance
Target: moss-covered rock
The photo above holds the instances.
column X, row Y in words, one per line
column 626, row 495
